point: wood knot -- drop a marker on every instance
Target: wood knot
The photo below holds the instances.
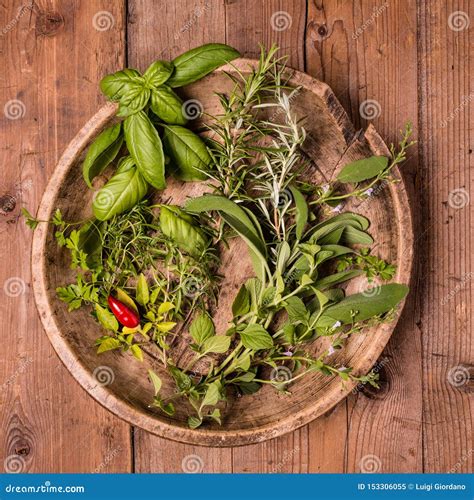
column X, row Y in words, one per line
column 7, row 204
column 48, row 23
column 322, row 31
column 22, row 448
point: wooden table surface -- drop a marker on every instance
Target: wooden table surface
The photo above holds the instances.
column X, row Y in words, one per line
column 388, row 62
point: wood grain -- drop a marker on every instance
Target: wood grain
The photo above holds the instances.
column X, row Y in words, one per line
column 446, row 144
column 55, row 58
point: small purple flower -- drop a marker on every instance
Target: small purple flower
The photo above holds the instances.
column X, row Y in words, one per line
column 369, row 192
column 342, row 368
column 337, row 324
column 288, row 353
column 331, row 350
column 337, row 209
column 325, row 188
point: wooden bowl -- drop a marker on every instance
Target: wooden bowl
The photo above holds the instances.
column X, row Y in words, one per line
column 119, row 383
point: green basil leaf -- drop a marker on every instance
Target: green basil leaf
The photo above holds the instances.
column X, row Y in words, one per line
column 218, row 344
column 142, row 294
column 180, row 228
column 133, row 101
column 106, row 318
column 123, row 191
column 116, row 85
column 202, row 328
column 366, row 305
column 241, row 304
column 155, row 380
column 157, row 73
column 301, row 211
column 167, row 105
column 188, row 152
column 362, row 170
column 199, row 62
column 255, row 337
column 145, row 147
column 101, row 152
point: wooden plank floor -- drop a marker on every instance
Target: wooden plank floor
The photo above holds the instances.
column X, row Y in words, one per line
column 388, row 62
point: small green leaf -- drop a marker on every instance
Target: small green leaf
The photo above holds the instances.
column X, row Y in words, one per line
column 301, row 211
column 125, row 298
column 137, row 352
column 217, row 344
column 117, row 85
column 255, row 337
column 241, row 304
column 212, row 394
column 155, row 380
column 142, row 293
column 165, row 307
column 296, row 309
column 168, row 106
column 362, row 170
column 106, row 318
column 165, row 326
column 157, row 73
column 202, row 328
column 108, row 344
column 194, row 422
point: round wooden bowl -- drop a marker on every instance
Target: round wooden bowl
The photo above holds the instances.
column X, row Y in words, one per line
column 120, row 383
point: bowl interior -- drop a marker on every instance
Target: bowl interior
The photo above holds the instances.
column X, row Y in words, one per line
column 122, row 382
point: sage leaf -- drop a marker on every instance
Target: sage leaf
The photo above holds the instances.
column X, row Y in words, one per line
column 301, row 211
column 157, row 73
column 202, row 328
column 362, row 170
column 179, row 227
column 155, row 380
column 102, row 152
column 167, row 105
column 187, row 151
column 217, row 344
column 354, row 236
column 255, row 337
column 142, row 294
column 146, row 149
column 364, row 306
column 106, row 318
column 200, row 61
column 337, row 278
column 123, row 191
column 241, row 304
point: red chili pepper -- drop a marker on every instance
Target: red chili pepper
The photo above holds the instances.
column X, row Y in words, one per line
column 126, row 316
